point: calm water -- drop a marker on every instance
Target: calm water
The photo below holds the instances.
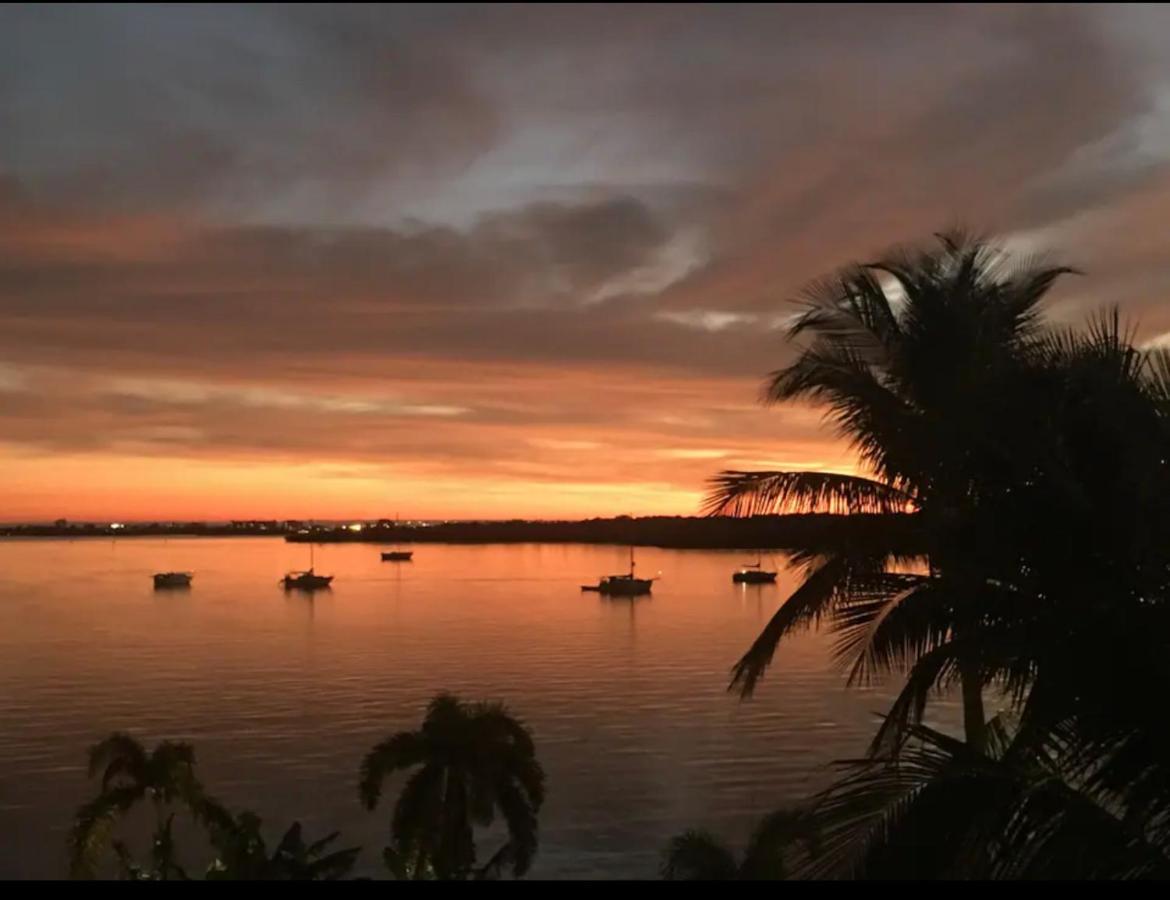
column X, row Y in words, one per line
column 282, row 694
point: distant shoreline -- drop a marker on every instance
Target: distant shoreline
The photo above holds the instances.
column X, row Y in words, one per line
column 679, row 532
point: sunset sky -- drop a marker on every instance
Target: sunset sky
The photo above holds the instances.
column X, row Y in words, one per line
column 487, row 262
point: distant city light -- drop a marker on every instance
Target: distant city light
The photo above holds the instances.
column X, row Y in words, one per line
column 356, row 526
column 114, row 525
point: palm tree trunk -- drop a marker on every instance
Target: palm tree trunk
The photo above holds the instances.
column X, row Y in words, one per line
column 974, row 723
column 970, row 677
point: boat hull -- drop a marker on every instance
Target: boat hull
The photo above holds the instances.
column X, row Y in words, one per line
column 754, row 577
column 397, row 556
column 624, row 587
column 306, row 582
column 172, row 579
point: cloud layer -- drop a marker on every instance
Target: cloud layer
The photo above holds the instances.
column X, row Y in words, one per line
column 505, row 260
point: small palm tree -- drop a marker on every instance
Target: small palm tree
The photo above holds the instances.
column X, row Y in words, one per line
column 470, row 760
column 242, row 854
column 164, row 777
column 775, row 848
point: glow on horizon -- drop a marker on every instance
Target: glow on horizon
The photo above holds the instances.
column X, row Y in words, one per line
column 151, row 489
column 530, row 441
column 163, row 490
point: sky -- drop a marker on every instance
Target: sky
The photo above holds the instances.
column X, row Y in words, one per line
column 494, row 261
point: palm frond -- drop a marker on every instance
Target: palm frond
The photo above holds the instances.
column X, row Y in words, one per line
column 91, row 829
column 333, row 866
column 1157, row 376
column 517, row 752
column 118, row 754
column 932, row 672
column 419, row 808
column 760, row 493
column 407, row 862
column 781, row 842
column 920, row 815
column 851, row 309
column 401, row 751
column 803, row 608
column 520, row 818
column 171, row 773
column 888, row 622
column 862, row 402
column 210, row 813
column 940, row 810
column 311, row 862
column 697, row 856
column 1027, row 289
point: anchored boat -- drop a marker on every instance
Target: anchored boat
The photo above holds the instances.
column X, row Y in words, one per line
column 627, row 585
column 753, row 573
column 397, row 554
column 308, row 580
column 173, row 579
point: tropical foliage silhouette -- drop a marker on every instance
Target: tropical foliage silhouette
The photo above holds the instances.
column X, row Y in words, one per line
column 780, row 843
column 165, row 777
column 1024, row 469
column 473, row 760
column 130, row 776
column 915, row 357
column 470, row 760
column 242, row 854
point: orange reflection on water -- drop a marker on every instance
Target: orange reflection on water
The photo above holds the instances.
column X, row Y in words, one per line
column 283, row 692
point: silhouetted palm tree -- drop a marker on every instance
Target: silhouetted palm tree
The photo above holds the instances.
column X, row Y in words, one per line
column 242, row 854
column 164, row 777
column 942, row 810
column 471, row 760
column 916, row 357
column 1074, row 627
column 779, row 841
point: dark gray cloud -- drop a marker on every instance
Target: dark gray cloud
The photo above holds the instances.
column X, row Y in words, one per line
column 519, row 285
column 238, row 108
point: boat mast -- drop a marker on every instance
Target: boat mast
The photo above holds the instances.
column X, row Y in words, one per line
column 631, row 560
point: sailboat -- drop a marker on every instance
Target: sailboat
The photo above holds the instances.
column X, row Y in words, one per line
column 754, row 573
column 397, row 554
column 625, row 585
column 306, row 581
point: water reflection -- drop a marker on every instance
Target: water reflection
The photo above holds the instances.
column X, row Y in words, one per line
column 303, row 601
column 626, row 696
column 624, row 606
column 753, row 595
